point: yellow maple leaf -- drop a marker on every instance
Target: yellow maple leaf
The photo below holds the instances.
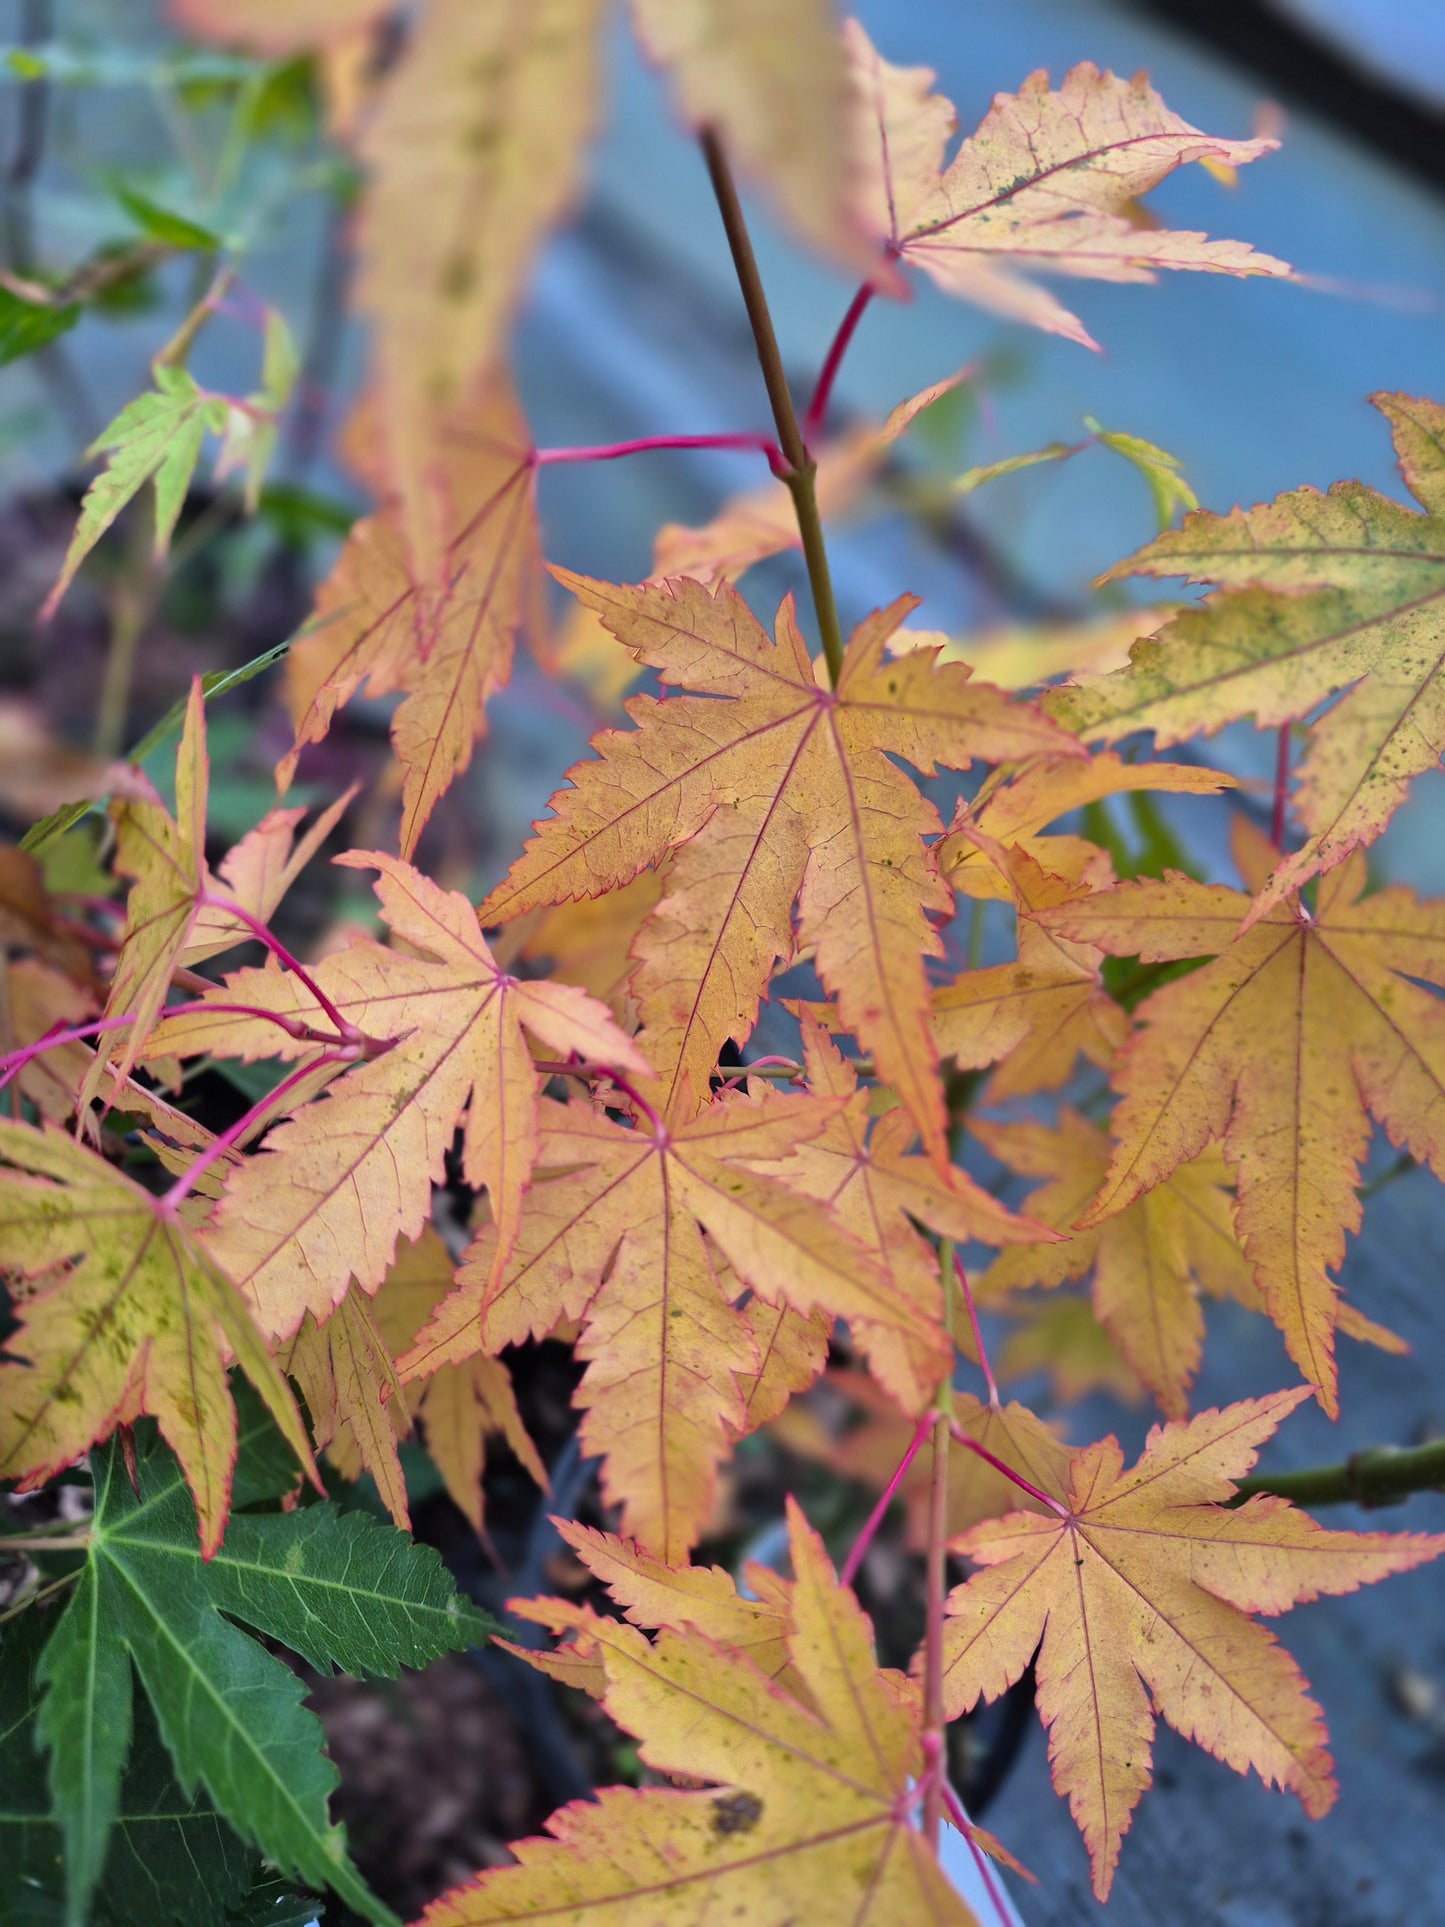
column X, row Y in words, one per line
column 344, row 1370
column 474, row 150
column 1035, row 1016
column 1283, row 1046
column 326, row 1198
column 1319, row 593
column 617, row 1240
column 1045, row 184
column 140, row 1321
column 1136, row 1597
column 1014, row 810
column 443, row 637
column 880, row 1193
column 773, row 82
column 782, row 790
column 806, row 1802
column 459, row 1407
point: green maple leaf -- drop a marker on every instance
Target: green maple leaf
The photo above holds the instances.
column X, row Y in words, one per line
column 340, row 1589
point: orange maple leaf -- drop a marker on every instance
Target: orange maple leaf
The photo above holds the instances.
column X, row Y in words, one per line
column 443, row 637
column 1139, row 1590
column 782, row 790
column 1035, row 1016
column 326, row 1198
column 617, row 1241
column 807, row 1799
column 1285, row 1045
column 1047, row 183
column 880, row 1193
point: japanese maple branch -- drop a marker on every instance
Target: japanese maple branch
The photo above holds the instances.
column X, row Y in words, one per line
column 799, row 468
column 614, row 451
column 18, row 1059
column 1380, row 1475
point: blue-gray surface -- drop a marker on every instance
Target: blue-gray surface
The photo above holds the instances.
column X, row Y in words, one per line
column 634, row 329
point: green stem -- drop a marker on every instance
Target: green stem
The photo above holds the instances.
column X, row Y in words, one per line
column 799, row 467
column 1380, row 1475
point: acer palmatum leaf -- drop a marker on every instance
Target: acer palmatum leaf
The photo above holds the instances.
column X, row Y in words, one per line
column 256, row 873
column 1046, row 184
column 1035, row 1017
column 134, row 1317
column 1284, row 1046
column 326, row 1199
column 1320, row 593
column 1148, row 1262
column 1017, row 812
column 805, row 1803
column 343, row 1369
column 773, row 81
column 863, row 1169
column 626, row 1240
column 1145, row 1261
column 782, row 791
column 474, row 150
column 444, row 637
column 1138, row 1601
column 299, row 25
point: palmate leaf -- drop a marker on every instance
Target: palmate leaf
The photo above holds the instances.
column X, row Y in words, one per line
column 157, row 437
column 445, row 638
column 881, row 1194
column 1137, row 1601
column 783, row 790
column 132, row 1316
column 616, row 1239
column 1284, row 1046
column 474, row 150
column 1148, row 1262
column 774, row 83
column 808, row 1800
column 338, row 1588
column 327, row 1197
column 1034, row 1017
column 1044, row 185
column 171, row 1860
column 1319, row 593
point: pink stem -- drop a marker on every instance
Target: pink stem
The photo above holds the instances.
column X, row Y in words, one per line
column 875, row 1517
column 303, row 1033
column 1015, row 1478
column 614, row 451
column 349, row 1033
column 658, row 1127
column 1281, row 788
column 983, row 1364
column 18, row 1059
column 980, row 1859
column 218, row 1146
column 822, row 393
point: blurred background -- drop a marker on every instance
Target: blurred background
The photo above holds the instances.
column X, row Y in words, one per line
column 634, row 329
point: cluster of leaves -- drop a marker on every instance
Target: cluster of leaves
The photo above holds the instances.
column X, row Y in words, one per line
column 701, row 1235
